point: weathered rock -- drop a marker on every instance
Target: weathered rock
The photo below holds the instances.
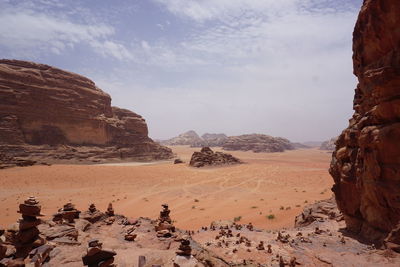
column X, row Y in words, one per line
column 92, row 214
column 43, row 108
column 96, row 256
column 366, row 163
column 319, row 211
column 207, row 157
column 257, row 143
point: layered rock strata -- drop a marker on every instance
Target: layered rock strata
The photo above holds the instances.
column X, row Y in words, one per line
column 366, row 163
column 48, row 113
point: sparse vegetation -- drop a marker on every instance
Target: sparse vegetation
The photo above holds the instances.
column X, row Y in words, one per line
column 305, row 201
column 254, row 207
column 271, row 217
column 196, row 200
column 193, row 207
column 237, row 219
column 282, row 208
column 202, row 209
column 288, row 208
column 298, row 206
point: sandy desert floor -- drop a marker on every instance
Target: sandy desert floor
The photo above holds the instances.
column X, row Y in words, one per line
column 278, row 184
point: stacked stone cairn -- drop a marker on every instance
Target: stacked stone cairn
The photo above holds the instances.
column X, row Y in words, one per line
column 27, row 236
column 164, row 226
column 110, row 210
column 68, row 213
column 92, row 214
column 185, row 249
column 96, row 256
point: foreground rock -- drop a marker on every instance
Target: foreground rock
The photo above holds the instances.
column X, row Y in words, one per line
column 51, row 115
column 257, row 143
column 366, row 163
column 207, row 157
column 329, row 145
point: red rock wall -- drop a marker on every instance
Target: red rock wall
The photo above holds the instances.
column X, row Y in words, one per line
column 366, row 163
column 42, row 105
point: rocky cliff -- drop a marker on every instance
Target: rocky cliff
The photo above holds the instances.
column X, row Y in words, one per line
column 366, row 163
column 44, row 109
column 257, row 143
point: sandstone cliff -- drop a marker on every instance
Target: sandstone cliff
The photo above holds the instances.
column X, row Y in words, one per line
column 44, row 109
column 257, row 143
column 366, row 163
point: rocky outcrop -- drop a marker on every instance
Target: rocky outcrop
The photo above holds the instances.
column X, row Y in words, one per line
column 257, row 143
column 214, row 139
column 329, row 144
column 366, row 163
column 42, row 106
column 207, row 157
column 190, row 138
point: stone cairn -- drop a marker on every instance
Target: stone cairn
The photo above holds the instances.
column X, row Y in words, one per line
column 184, row 248
column 164, row 227
column 67, row 213
column 27, row 236
column 96, row 256
column 92, row 214
column 110, row 210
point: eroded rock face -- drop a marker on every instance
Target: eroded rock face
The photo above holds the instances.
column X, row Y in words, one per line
column 189, row 138
column 366, row 163
column 41, row 106
column 257, row 143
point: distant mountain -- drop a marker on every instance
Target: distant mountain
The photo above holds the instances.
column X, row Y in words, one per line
column 312, row 143
column 329, row 145
column 258, row 143
column 190, row 138
column 300, row 146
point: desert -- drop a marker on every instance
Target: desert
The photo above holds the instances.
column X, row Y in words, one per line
column 84, row 182
column 261, row 186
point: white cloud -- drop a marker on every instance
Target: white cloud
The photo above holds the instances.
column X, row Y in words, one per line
column 25, row 30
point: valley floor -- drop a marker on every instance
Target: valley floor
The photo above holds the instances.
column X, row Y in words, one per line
column 278, row 184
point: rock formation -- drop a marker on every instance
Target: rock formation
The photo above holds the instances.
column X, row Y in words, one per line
column 207, row 157
column 213, row 140
column 329, row 144
column 54, row 115
column 190, row 138
column 366, row 163
column 257, row 143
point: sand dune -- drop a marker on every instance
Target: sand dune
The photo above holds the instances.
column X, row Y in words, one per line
column 279, row 184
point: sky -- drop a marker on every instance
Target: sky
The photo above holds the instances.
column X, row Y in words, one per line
column 276, row 67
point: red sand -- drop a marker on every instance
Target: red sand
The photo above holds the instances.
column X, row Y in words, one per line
column 264, row 185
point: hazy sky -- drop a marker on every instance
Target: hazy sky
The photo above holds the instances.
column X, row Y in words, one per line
column 278, row 67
